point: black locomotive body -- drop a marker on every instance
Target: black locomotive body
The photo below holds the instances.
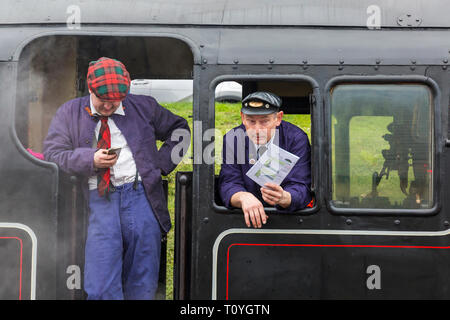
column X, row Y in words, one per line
column 357, row 69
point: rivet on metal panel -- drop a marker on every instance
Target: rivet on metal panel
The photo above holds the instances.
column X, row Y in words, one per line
column 305, row 64
column 446, row 223
column 409, row 20
column 445, row 60
column 377, row 64
column 397, row 222
column 348, row 221
column 236, row 61
column 271, row 61
column 341, row 61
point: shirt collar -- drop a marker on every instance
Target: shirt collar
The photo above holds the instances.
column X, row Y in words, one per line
column 118, row 111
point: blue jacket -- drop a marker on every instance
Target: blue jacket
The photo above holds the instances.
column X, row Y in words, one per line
column 233, row 178
column 71, row 133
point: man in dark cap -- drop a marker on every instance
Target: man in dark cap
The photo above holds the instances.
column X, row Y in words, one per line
column 128, row 210
column 262, row 125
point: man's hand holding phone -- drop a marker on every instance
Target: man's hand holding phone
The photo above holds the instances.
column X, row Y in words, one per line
column 113, row 151
column 106, row 158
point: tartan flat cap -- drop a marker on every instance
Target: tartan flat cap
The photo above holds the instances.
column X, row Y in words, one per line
column 261, row 103
column 108, row 79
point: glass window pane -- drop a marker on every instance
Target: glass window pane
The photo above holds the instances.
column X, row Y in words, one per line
column 382, row 146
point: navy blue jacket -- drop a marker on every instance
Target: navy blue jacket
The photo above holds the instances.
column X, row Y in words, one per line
column 233, row 178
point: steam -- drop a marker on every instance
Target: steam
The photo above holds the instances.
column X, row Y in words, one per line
column 46, row 79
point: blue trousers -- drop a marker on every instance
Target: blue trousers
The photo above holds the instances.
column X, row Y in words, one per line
column 122, row 247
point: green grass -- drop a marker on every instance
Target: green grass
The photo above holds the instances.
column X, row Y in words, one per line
column 183, row 109
column 366, row 145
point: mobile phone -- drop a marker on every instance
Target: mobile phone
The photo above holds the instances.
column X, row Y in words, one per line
column 113, row 151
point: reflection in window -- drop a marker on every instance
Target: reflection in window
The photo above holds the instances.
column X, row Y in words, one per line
column 382, row 146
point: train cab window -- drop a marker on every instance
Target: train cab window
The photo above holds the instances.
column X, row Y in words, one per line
column 381, row 146
column 296, row 109
column 46, row 81
column 52, row 70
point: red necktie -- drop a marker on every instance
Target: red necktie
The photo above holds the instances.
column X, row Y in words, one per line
column 104, row 142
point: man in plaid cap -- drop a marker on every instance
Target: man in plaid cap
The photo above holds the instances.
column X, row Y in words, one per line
column 262, row 125
column 128, row 209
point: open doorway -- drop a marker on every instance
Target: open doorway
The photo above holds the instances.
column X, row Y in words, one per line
column 51, row 71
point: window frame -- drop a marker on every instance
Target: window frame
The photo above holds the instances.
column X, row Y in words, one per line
column 436, row 121
column 120, row 32
column 315, row 178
